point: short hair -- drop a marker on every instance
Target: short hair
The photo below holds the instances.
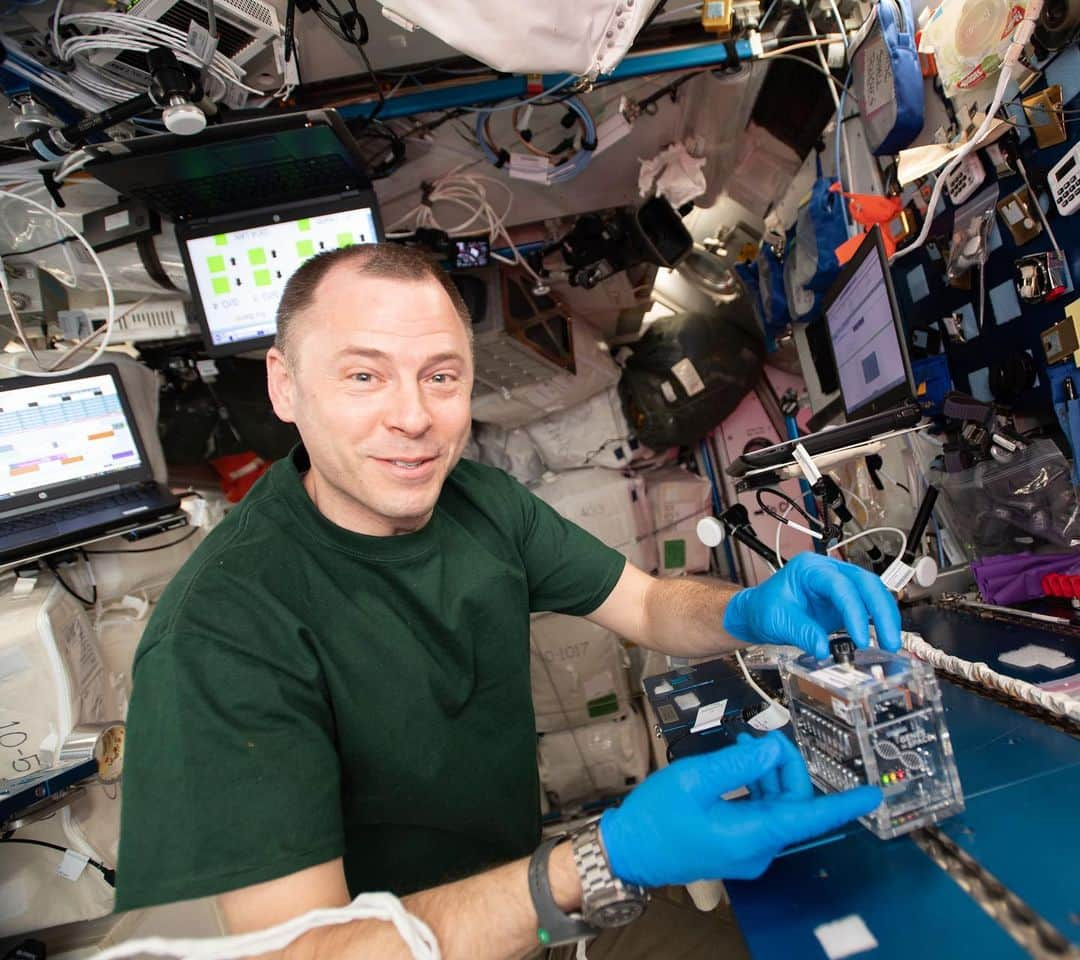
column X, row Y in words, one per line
column 390, row 261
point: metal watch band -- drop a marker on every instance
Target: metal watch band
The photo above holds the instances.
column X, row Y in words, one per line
column 606, row 901
column 554, row 927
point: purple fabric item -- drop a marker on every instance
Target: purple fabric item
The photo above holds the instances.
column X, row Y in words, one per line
column 1014, row 577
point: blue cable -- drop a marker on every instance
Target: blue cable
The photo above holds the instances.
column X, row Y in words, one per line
column 566, row 170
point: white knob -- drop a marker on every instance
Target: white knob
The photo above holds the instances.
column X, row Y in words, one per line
column 926, row 571
column 710, row 531
column 184, row 118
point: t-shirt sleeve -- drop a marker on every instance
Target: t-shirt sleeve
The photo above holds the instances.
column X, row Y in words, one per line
column 231, row 776
column 570, row 570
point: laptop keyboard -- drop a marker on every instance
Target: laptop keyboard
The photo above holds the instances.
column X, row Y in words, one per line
column 44, row 518
column 293, row 179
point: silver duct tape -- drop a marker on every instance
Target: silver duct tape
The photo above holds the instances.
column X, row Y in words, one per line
column 104, row 742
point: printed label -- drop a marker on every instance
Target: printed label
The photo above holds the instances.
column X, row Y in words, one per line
column 686, row 373
column 837, row 677
column 524, row 166
column 877, row 76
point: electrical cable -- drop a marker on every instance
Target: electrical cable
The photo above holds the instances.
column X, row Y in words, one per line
column 38, row 249
column 836, row 81
column 865, row 533
column 54, row 566
column 757, row 689
column 161, row 546
column 557, row 173
column 793, row 505
column 106, row 330
column 767, row 14
column 107, row 873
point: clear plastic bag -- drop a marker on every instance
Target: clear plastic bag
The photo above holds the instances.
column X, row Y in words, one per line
column 1008, row 506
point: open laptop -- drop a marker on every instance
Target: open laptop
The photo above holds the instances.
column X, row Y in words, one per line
column 72, row 464
column 866, row 337
column 251, row 200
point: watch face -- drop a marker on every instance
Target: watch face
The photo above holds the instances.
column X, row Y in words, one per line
column 617, row 914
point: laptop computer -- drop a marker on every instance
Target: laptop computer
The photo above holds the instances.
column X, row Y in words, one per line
column 251, row 200
column 72, row 464
column 866, row 338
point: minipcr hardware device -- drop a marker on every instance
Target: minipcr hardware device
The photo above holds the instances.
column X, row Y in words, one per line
column 874, row 717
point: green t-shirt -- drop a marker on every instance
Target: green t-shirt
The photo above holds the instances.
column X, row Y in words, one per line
column 303, row 692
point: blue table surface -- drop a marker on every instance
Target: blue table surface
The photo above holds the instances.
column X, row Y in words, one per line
column 1021, row 781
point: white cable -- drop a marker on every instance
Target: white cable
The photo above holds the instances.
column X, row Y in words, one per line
column 110, row 302
column 865, row 533
column 824, row 40
column 470, row 192
column 979, row 672
column 753, row 686
column 368, row 906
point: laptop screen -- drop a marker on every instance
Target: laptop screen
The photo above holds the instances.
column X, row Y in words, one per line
column 54, row 433
column 865, row 337
column 239, row 275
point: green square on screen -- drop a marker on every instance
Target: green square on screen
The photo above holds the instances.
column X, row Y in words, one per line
column 344, row 240
column 263, row 278
column 221, row 240
column 216, row 264
column 305, row 248
column 303, row 224
column 674, row 554
column 221, row 284
column 257, row 257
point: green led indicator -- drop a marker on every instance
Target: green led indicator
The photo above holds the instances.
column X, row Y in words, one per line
column 543, row 936
column 221, row 240
column 221, row 285
column 303, row 224
column 305, row 248
column 257, row 257
column 216, row 264
column 263, row 278
column 344, row 240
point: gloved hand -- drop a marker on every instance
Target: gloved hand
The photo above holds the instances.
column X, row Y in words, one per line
column 810, row 597
column 674, row 828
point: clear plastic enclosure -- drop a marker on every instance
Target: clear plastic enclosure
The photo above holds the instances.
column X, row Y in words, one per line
column 877, row 719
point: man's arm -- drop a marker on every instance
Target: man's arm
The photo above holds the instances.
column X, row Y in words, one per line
column 680, row 617
column 802, row 603
column 488, row 916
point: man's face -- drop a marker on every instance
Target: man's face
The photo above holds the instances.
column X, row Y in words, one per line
column 378, row 385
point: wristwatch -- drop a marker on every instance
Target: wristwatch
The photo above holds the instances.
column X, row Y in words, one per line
column 606, row 901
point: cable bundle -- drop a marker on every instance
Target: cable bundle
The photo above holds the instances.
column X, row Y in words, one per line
column 560, row 171
column 1058, row 703
column 118, row 32
column 469, row 192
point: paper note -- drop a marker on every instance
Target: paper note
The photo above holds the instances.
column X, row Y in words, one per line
column 1034, row 655
column 709, row 716
column 845, row 937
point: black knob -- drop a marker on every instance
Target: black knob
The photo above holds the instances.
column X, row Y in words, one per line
column 842, row 648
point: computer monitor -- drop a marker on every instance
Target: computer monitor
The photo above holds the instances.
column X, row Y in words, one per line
column 64, row 436
column 866, row 334
column 238, row 266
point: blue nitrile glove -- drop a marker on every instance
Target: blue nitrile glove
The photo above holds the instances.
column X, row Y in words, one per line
column 674, row 828
column 810, row 597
